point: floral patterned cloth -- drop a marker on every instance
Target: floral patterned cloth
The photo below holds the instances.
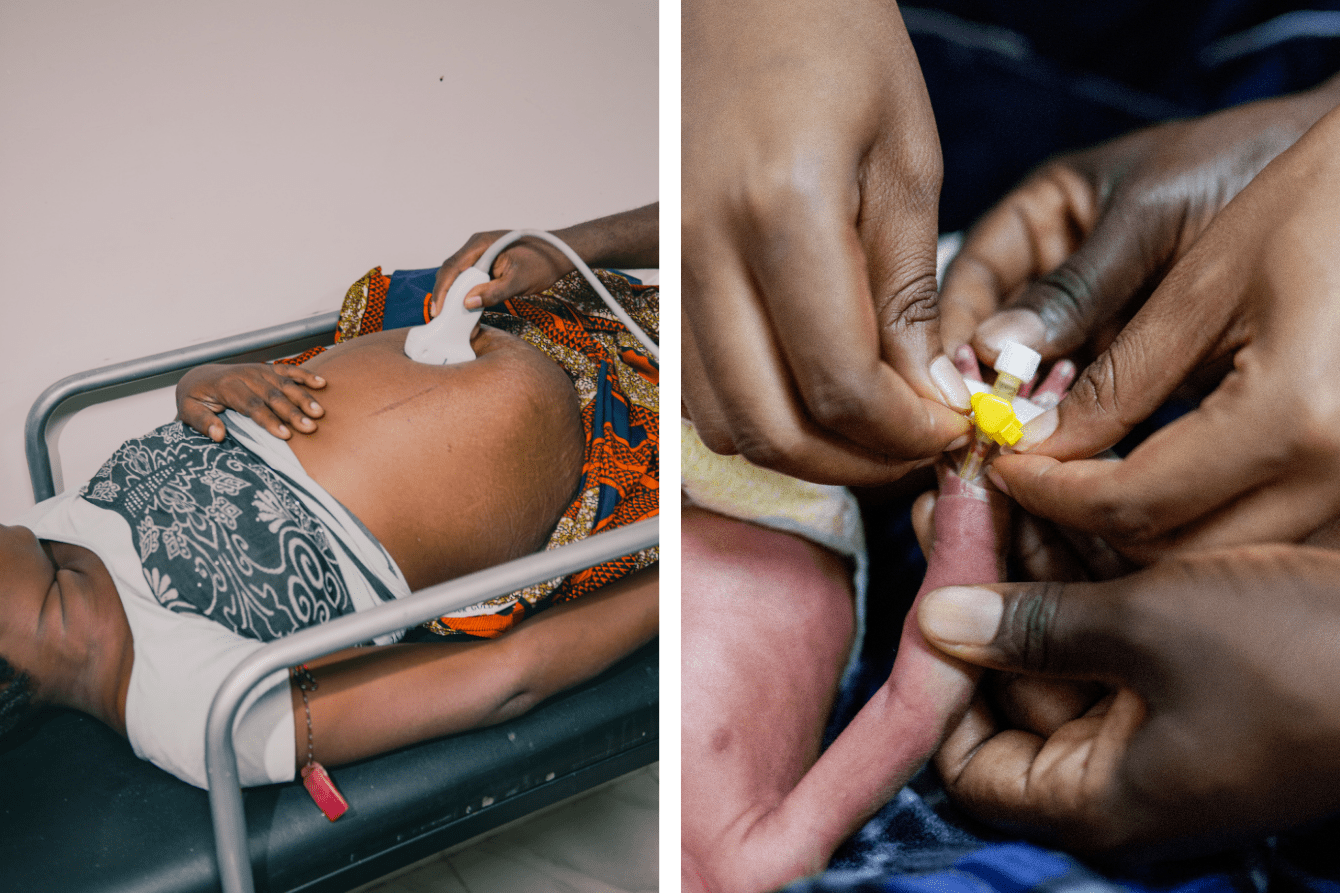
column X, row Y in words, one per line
column 221, row 535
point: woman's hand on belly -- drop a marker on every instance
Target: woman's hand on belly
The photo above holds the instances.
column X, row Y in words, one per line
column 274, row 397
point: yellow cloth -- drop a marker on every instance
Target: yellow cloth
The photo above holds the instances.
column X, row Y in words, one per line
column 732, row 486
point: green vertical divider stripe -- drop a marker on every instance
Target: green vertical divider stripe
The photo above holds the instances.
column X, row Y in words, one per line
column 669, row 445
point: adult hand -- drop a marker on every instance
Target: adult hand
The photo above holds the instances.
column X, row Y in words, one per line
column 1091, row 233
column 274, row 396
column 1223, row 722
column 1037, row 550
column 524, row 268
column 627, row 239
column 1259, row 459
column 811, row 175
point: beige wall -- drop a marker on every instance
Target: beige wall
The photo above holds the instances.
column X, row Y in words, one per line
column 171, row 172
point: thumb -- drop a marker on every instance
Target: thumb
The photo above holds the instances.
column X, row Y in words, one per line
column 1058, row 312
column 1069, row 630
column 487, row 294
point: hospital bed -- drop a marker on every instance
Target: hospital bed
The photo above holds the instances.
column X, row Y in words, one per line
column 79, row 812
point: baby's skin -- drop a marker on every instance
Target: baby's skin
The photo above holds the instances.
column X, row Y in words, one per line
column 786, row 808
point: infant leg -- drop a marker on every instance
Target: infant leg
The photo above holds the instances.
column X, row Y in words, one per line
column 768, row 620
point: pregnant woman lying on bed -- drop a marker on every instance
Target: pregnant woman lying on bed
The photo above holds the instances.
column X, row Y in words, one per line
column 133, row 597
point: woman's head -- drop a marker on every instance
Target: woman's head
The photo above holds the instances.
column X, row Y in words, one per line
column 16, row 697
column 63, row 633
column 25, row 590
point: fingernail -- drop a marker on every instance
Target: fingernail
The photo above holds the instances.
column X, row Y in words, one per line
column 961, row 615
column 950, row 383
column 1023, row 326
column 318, row 380
column 283, row 431
column 997, row 480
column 315, row 407
column 965, row 361
column 473, row 301
column 1036, row 431
column 958, row 442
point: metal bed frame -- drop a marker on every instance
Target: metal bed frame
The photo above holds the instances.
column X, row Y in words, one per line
column 225, row 795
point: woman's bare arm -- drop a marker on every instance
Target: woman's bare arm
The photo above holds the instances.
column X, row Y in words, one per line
column 373, row 700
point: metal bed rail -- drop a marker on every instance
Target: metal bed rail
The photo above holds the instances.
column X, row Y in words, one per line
column 39, row 416
column 225, row 795
column 220, row 758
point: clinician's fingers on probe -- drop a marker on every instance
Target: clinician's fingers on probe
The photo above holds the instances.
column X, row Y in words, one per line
column 464, row 256
column 816, row 285
column 1027, row 234
column 752, row 384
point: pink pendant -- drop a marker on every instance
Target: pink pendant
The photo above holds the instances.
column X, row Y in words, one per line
column 319, row 784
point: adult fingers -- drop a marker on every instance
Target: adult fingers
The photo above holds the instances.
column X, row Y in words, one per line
column 203, row 417
column 1026, row 235
column 464, row 256
column 1130, row 242
column 897, row 224
column 1169, row 482
column 699, row 403
column 1069, row 630
column 1065, row 787
column 295, row 381
column 1183, row 325
column 305, row 377
column 270, row 405
column 820, row 307
column 1071, row 781
column 1041, row 553
column 759, row 413
column 508, row 280
column 1039, row 704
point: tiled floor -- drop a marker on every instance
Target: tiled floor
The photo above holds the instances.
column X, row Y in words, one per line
column 602, row 842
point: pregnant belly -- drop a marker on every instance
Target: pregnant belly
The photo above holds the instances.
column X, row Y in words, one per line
column 452, row 468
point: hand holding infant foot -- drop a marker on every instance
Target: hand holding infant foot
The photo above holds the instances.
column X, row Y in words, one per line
column 1222, row 726
column 275, row 396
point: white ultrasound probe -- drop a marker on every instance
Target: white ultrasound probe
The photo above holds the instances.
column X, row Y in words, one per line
column 447, row 338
